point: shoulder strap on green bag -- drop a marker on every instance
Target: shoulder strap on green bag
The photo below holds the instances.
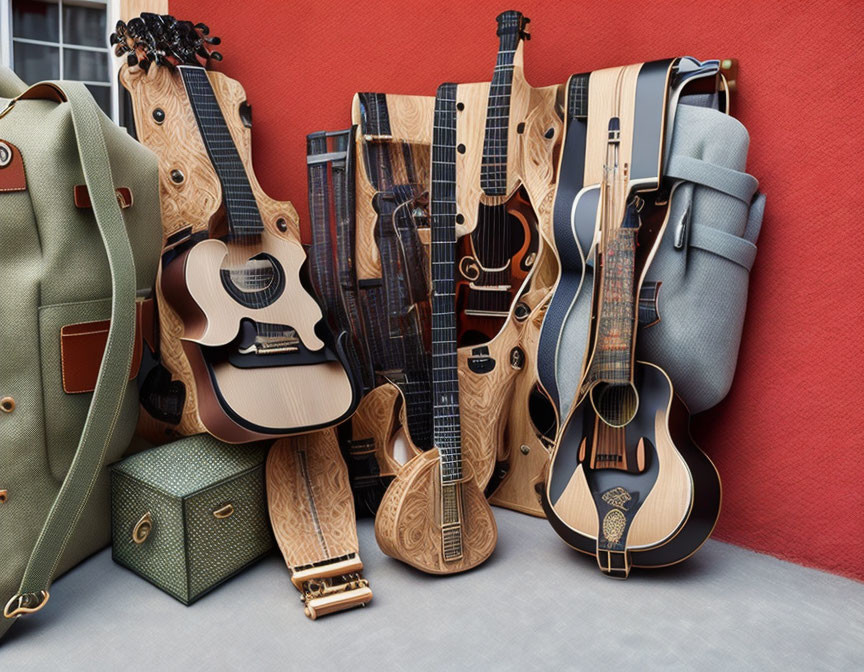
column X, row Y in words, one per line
column 114, row 370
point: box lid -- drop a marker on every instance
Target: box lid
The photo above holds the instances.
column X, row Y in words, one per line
column 191, row 464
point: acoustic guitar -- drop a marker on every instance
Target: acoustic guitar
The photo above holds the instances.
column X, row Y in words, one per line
column 626, row 483
column 433, row 515
column 263, row 362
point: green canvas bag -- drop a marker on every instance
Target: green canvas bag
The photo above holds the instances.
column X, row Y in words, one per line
column 60, row 265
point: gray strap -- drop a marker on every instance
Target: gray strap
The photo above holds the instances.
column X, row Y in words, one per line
column 10, row 84
column 730, row 247
column 733, row 182
column 113, row 373
column 754, row 218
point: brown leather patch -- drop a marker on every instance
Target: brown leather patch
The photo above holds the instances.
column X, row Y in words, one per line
column 82, row 347
column 12, row 177
column 82, row 196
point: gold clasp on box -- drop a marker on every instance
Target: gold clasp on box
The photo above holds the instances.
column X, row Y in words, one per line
column 142, row 529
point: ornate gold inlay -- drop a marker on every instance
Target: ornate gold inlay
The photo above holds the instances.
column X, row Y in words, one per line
column 614, row 523
column 617, row 497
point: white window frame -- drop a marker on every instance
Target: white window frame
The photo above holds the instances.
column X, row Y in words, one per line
column 112, row 8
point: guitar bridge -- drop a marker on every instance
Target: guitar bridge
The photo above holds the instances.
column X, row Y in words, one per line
column 273, row 345
column 451, row 538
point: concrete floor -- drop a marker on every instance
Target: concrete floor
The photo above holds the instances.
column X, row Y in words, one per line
column 535, row 605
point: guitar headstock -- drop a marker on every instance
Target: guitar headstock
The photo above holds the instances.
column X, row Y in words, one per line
column 513, row 24
column 162, row 39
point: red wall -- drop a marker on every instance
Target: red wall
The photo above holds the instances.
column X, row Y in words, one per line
column 789, row 440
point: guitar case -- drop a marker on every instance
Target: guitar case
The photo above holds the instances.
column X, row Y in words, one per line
column 694, row 298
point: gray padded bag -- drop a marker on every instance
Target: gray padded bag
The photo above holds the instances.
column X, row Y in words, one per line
column 703, row 263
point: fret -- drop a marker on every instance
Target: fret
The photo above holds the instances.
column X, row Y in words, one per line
column 445, row 381
column 244, row 218
column 493, row 170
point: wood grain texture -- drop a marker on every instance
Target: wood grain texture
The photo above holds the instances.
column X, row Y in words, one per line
column 309, row 498
column 408, row 524
column 524, row 452
column 194, row 203
column 483, row 401
column 376, row 419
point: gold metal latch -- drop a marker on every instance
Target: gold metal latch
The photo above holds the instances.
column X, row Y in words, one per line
column 28, row 603
column 142, row 529
column 333, row 587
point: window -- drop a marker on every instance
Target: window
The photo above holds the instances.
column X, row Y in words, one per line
column 62, row 39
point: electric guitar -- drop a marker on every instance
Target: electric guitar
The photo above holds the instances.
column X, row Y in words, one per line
column 433, row 515
column 626, row 483
column 262, row 362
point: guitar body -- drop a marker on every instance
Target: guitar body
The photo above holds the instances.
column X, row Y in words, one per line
column 408, row 525
column 235, row 317
column 486, row 264
column 655, row 508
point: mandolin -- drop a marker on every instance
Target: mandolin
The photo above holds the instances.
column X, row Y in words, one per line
column 498, row 254
column 433, row 515
column 263, row 364
column 626, row 483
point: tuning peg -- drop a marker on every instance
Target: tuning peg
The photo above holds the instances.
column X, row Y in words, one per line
column 131, row 59
column 145, row 64
column 202, row 27
column 213, row 40
column 215, row 55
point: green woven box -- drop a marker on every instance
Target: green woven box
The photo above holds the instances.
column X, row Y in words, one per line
column 189, row 515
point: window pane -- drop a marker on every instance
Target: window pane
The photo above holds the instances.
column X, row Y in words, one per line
column 89, row 65
column 102, row 94
column 35, row 20
column 84, row 25
column 35, row 62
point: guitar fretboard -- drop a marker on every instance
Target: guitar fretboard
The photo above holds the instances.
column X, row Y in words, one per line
column 493, row 170
column 445, row 381
column 244, row 219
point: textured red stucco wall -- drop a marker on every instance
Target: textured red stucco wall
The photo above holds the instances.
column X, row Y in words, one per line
column 789, row 439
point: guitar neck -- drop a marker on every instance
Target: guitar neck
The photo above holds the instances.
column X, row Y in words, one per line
column 244, row 219
column 447, row 432
column 493, row 170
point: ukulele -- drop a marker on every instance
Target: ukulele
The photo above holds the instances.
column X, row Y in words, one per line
column 626, row 483
column 433, row 515
column 261, row 361
column 499, row 253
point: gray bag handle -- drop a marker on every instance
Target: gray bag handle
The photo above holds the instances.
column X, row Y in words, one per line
column 108, row 395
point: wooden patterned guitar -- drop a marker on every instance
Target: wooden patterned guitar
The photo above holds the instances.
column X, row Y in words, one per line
column 434, row 516
column 263, row 362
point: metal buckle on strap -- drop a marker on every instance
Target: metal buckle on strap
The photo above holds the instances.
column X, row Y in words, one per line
column 26, row 604
column 336, row 586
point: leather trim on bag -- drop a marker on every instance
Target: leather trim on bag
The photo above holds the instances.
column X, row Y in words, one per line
column 12, row 176
column 83, row 345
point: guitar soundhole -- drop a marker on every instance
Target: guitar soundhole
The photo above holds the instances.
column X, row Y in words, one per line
column 615, row 404
column 256, row 284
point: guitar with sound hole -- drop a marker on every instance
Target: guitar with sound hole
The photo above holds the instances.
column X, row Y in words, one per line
column 264, row 363
column 626, row 483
